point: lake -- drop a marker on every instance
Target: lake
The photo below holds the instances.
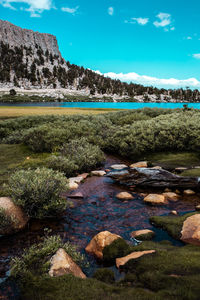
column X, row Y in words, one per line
column 114, row 105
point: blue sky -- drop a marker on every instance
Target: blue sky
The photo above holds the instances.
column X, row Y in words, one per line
column 148, row 41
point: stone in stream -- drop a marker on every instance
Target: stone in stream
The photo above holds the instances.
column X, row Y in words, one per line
column 140, row 164
column 119, row 167
column 188, row 192
column 13, row 218
column 99, row 242
column 76, row 195
column 124, row 196
column 153, row 178
column 143, row 233
column 98, row 173
column 191, row 230
column 155, row 199
column 83, row 176
column 197, row 207
column 170, row 196
column 62, row 263
column 136, row 254
column 173, row 212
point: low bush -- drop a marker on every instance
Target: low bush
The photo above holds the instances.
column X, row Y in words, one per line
column 85, row 155
column 38, row 191
column 62, row 164
column 36, row 259
column 105, row 275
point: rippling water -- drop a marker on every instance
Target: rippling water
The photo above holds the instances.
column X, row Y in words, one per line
column 99, row 210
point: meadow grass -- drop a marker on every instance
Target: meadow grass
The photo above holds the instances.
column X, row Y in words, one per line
column 18, row 111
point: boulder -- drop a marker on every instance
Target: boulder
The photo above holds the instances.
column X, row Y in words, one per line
column 119, row 167
column 170, row 196
column 191, row 230
column 156, row 168
column 124, row 196
column 76, row 195
column 98, row 173
column 77, row 179
column 173, row 212
column 153, row 178
column 99, row 242
column 143, row 232
column 62, row 263
column 84, row 175
column 123, row 260
column 72, row 185
column 155, row 199
column 188, row 192
column 197, row 207
column 14, row 217
column 140, row 164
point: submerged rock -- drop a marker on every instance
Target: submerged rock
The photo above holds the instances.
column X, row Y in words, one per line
column 124, row 196
column 153, row 178
column 191, row 230
column 140, row 164
column 155, row 199
column 136, row 254
column 62, row 263
column 99, row 242
column 13, row 218
column 76, row 195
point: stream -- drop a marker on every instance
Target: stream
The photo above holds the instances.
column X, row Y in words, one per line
column 98, row 210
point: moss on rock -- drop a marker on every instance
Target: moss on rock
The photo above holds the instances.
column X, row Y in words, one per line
column 118, row 248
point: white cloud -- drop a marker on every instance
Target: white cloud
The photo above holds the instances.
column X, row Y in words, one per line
column 140, row 21
column 188, row 38
column 111, row 11
column 197, row 55
column 148, row 80
column 70, row 10
column 164, row 21
column 35, row 7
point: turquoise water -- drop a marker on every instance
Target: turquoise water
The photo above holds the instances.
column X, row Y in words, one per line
column 116, row 105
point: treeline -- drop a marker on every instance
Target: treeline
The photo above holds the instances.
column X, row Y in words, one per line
column 22, row 65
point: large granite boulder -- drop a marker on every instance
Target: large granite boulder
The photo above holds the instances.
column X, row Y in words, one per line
column 12, row 217
column 191, row 230
column 136, row 254
column 153, row 178
column 99, row 242
column 62, row 263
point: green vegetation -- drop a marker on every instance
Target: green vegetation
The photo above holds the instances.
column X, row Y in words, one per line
column 5, row 221
column 118, row 248
column 172, row 224
column 105, row 275
column 173, row 160
column 191, row 172
column 36, row 260
column 146, row 237
column 38, row 191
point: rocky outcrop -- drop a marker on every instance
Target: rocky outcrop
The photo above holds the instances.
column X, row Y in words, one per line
column 17, row 36
column 62, row 263
column 153, row 178
column 99, row 242
column 191, row 230
column 13, row 218
column 123, row 260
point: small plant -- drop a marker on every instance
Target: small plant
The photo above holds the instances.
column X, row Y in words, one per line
column 105, row 275
column 38, row 191
column 36, row 260
column 62, row 164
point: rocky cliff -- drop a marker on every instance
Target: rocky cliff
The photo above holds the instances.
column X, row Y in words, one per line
column 17, row 36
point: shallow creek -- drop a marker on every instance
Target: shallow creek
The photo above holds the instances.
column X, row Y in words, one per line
column 99, row 210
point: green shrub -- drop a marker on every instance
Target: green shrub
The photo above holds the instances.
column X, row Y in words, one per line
column 105, row 275
column 85, row 155
column 38, row 191
column 62, row 164
column 36, row 259
column 5, row 221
